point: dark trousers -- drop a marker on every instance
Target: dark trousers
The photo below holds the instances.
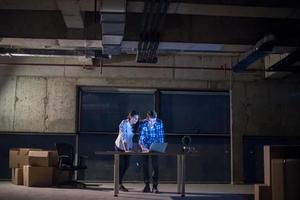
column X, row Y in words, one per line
column 155, row 171
column 124, row 164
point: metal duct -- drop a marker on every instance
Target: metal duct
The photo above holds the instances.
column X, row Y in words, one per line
column 262, row 48
column 290, row 63
column 154, row 14
column 70, row 10
column 113, row 15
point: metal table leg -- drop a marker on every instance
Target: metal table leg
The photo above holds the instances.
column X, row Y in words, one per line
column 179, row 176
column 116, row 174
column 182, row 175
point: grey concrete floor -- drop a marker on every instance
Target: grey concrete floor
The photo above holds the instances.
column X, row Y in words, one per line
column 103, row 191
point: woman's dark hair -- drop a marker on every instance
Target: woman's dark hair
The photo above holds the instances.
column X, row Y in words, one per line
column 131, row 114
column 152, row 114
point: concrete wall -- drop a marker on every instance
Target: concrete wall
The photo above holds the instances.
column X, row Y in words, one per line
column 39, row 95
column 39, row 98
column 262, row 108
column 269, row 108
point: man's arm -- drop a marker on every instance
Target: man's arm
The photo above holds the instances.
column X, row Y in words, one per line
column 142, row 138
column 161, row 133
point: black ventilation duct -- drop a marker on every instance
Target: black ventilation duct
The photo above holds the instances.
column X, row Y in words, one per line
column 262, row 48
column 153, row 17
column 290, row 63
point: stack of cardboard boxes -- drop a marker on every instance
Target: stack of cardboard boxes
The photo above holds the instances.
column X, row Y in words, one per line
column 34, row 167
column 285, row 179
column 281, row 174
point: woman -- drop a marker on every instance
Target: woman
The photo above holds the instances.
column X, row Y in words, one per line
column 124, row 144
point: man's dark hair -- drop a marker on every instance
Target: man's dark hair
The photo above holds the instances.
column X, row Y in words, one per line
column 152, row 114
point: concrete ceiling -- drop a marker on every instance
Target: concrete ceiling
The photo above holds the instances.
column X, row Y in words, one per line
column 191, row 26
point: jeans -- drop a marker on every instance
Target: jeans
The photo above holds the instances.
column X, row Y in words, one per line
column 155, row 172
column 124, row 164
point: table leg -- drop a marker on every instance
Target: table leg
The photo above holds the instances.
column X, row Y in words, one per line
column 182, row 175
column 178, row 173
column 116, row 174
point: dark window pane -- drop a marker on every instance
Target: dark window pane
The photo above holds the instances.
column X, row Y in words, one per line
column 195, row 112
column 102, row 111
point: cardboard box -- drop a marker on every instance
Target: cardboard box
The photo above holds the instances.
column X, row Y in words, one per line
column 267, row 165
column 292, row 179
column 37, row 176
column 38, row 158
column 60, row 176
column 262, row 192
column 19, row 157
column 277, row 179
column 278, row 152
column 17, row 176
column 43, row 158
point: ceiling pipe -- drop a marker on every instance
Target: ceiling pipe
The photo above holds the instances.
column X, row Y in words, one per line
column 126, row 66
column 88, row 53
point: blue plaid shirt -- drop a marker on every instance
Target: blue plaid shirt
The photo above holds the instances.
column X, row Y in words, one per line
column 150, row 135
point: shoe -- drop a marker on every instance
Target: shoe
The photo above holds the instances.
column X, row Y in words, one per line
column 123, row 189
column 155, row 189
column 146, row 188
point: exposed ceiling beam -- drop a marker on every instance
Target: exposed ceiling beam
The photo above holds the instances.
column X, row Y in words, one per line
column 223, row 10
column 201, row 29
column 67, row 43
column 174, row 8
column 70, row 10
column 49, row 43
column 130, row 47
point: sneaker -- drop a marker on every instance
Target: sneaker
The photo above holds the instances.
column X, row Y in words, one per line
column 122, row 188
column 146, row 188
column 155, row 189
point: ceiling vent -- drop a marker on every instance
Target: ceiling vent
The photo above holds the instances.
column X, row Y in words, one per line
column 113, row 16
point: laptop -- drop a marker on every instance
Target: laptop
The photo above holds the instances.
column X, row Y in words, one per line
column 158, row 147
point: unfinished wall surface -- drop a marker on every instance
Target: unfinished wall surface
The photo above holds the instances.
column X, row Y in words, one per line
column 39, row 95
column 35, row 97
column 7, row 102
column 61, row 105
column 262, row 108
column 30, row 104
column 267, row 107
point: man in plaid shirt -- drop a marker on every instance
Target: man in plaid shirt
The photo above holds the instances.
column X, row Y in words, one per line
column 151, row 130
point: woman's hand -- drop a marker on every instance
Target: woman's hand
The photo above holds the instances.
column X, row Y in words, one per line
column 145, row 150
